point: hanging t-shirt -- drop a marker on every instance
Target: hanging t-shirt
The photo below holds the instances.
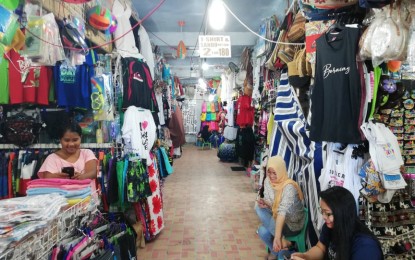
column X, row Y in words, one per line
column 4, row 81
column 245, row 116
column 146, row 50
column 336, row 96
column 138, row 85
column 30, row 84
column 139, row 132
column 73, row 85
column 159, row 97
column 125, row 42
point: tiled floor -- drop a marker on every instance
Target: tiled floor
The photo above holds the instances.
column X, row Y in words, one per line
column 209, row 212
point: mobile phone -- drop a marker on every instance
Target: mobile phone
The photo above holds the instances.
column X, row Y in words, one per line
column 69, row 170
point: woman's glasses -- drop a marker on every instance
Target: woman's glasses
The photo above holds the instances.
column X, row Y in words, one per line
column 324, row 213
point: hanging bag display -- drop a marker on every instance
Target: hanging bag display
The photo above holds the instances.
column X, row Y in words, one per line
column 329, row 4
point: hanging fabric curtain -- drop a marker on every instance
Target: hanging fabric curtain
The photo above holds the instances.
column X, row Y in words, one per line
column 302, row 156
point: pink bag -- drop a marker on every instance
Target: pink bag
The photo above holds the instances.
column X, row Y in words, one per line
column 204, row 107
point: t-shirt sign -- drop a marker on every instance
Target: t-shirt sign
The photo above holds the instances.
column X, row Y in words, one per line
column 214, row 46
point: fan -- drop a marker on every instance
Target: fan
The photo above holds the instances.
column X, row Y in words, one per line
column 233, row 67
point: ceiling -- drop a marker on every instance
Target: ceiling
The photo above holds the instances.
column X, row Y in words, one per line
column 165, row 32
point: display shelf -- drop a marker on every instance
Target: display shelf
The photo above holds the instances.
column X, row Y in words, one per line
column 39, row 244
column 56, row 146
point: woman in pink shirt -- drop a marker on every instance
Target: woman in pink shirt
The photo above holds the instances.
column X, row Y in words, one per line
column 70, row 161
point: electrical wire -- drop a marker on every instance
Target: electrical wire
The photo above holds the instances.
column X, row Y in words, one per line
column 260, row 36
column 200, row 32
column 168, row 45
column 107, row 43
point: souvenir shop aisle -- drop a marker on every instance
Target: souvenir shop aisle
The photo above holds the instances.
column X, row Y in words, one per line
column 208, row 210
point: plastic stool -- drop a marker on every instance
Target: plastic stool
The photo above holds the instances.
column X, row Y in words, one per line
column 208, row 144
column 300, row 238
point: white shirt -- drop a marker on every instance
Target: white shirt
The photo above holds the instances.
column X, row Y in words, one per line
column 146, row 49
column 126, row 44
column 139, row 132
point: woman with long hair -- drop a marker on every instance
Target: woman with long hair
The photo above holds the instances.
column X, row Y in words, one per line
column 343, row 235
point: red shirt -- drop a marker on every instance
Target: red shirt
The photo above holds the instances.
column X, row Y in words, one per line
column 245, row 116
column 28, row 84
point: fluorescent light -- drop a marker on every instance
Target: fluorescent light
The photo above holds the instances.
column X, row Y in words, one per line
column 205, row 66
column 217, row 15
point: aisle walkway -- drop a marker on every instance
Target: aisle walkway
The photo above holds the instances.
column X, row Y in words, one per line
column 209, row 212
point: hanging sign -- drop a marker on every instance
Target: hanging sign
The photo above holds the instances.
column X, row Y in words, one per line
column 214, row 46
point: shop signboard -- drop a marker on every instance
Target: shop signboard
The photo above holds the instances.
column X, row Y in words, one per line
column 214, row 46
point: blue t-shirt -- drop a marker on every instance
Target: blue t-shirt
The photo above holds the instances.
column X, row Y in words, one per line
column 363, row 247
column 73, row 85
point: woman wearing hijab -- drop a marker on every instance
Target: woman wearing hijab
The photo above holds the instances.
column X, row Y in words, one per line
column 281, row 210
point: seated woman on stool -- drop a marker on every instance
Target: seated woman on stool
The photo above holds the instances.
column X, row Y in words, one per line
column 343, row 235
column 281, row 211
column 204, row 134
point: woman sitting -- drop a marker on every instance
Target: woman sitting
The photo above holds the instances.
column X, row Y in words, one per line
column 70, row 161
column 204, row 134
column 281, row 211
column 343, row 235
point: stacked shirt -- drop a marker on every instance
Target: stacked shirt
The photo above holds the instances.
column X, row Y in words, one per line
column 74, row 191
column 22, row 216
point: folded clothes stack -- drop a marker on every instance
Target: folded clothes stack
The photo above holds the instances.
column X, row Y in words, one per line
column 22, row 216
column 74, row 191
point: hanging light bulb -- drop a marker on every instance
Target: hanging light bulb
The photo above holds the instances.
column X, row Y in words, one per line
column 205, row 66
column 217, row 15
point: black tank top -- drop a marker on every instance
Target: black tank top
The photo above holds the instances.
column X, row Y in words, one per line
column 336, row 95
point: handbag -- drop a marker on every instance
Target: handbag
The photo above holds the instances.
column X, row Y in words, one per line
column 297, row 30
column 203, row 117
column 296, row 80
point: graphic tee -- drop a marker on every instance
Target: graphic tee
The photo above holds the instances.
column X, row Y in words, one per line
column 73, row 85
column 336, row 96
column 30, row 84
column 139, row 132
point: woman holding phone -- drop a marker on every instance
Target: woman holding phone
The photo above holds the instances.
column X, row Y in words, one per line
column 70, row 161
column 281, row 210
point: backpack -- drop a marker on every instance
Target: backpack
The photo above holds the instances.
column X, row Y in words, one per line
column 373, row 3
column 20, row 130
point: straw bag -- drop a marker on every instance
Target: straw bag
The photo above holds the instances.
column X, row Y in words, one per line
column 294, row 78
column 297, row 30
column 303, row 66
